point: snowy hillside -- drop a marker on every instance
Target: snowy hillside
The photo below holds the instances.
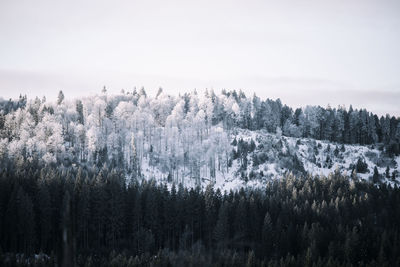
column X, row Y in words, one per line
column 228, row 140
column 274, row 155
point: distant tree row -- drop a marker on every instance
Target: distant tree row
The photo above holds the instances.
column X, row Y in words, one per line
column 338, row 125
column 7, row 106
column 84, row 217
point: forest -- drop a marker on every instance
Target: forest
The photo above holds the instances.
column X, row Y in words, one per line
column 92, row 217
column 76, row 190
column 183, row 138
column 261, row 133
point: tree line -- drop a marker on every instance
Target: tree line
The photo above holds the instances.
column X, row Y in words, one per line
column 92, row 217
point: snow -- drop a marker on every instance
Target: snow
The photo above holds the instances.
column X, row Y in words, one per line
column 271, row 169
column 170, row 137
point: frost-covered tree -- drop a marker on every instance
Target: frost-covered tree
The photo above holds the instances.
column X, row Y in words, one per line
column 175, row 136
column 60, row 97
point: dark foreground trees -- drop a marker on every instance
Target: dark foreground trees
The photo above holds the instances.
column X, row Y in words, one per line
column 89, row 217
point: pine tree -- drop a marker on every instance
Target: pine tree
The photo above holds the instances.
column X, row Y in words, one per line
column 387, row 172
column 79, row 110
column 60, row 97
column 376, row 176
column 267, row 234
column 240, row 222
column 159, row 92
column 394, row 175
column 68, row 257
column 43, row 199
column 221, row 231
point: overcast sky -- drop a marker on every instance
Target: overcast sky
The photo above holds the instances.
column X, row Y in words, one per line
column 302, row 51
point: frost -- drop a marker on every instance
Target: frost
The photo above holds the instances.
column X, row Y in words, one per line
column 228, row 140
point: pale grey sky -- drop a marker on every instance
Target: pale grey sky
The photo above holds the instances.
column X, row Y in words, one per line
column 304, row 52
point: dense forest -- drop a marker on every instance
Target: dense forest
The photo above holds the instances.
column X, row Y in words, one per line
column 75, row 185
column 104, row 115
column 274, row 141
column 181, row 138
column 91, row 217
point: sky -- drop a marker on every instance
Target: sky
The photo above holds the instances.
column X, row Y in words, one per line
column 303, row 52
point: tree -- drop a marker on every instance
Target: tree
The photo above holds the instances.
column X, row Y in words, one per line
column 354, row 130
column 159, row 92
column 339, row 125
column 68, row 247
column 251, row 260
column 79, row 110
column 221, row 231
column 43, row 198
column 142, row 92
column 290, row 129
column 385, row 128
column 240, row 222
column 267, row 234
column 361, row 166
column 60, row 97
column 376, row 176
column 20, row 221
column 387, row 172
column 114, row 208
column 394, row 175
column 211, row 203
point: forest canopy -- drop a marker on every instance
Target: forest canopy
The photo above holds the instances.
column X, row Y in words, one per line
column 75, row 189
column 90, row 217
column 177, row 133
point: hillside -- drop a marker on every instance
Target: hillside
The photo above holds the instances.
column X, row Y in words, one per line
column 196, row 180
column 258, row 156
column 229, row 140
